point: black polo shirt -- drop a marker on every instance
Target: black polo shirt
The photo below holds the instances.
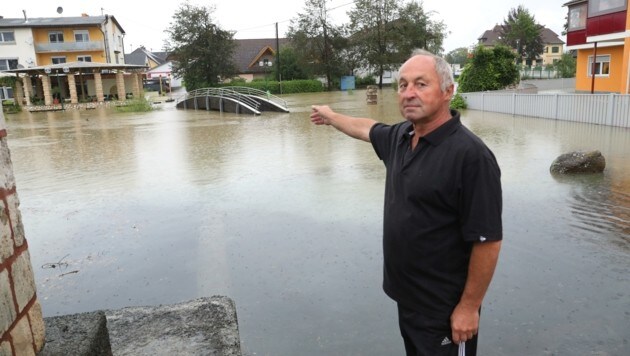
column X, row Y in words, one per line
column 439, row 199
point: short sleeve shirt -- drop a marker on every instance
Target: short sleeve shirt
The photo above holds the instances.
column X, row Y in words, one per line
column 439, row 199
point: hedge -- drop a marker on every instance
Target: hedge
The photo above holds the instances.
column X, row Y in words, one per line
column 288, row 87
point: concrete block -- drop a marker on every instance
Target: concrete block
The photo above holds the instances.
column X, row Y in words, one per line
column 7, row 179
column 82, row 334
column 23, row 280
column 7, row 307
column 205, row 326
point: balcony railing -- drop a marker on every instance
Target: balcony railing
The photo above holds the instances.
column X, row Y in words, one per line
column 69, row 47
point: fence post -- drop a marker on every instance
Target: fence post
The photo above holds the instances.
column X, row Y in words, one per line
column 555, row 109
column 611, row 109
column 513, row 104
column 483, row 101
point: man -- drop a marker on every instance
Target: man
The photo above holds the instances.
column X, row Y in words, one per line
column 442, row 226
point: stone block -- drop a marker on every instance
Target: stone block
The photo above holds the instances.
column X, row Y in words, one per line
column 7, row 307
column 23, row 280
column 6, row 242
column 6, row 349
column 7, row 179
column 37, row 325
column 22, row 338
column 82, row 334
column 13, row 204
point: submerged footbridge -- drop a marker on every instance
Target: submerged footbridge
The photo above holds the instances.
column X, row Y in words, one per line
column 240, row 100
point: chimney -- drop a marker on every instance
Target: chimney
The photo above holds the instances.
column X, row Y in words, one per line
column 25, row 18
column 85, row 15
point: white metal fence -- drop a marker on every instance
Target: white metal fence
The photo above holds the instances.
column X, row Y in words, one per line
column 601, row 109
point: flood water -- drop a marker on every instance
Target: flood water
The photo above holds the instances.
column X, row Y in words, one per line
column 285, row 218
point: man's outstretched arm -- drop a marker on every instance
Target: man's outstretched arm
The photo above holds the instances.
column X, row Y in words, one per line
column 358, row 128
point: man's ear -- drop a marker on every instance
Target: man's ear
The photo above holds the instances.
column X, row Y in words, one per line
column 450, row 91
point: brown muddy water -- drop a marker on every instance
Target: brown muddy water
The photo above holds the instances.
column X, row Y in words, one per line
column 285, row 218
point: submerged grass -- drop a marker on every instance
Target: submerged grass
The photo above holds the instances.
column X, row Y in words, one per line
column 136, row 105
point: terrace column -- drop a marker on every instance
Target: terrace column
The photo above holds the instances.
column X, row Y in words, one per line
column 72, row 85
column 135, row 88
column 19, row 93
column 98, row 82
column 47, row 92
column 120, row 85
column 28, row 89
column 21, row 322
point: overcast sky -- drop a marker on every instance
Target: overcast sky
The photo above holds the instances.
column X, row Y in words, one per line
column 144, row 22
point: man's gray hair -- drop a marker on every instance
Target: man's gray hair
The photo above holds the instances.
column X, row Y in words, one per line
column 442, row 67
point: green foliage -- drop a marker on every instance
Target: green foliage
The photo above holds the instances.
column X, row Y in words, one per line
column 566, row 66
column 135, row 105
column 10, row 107
column 521, row 31
column 8, row 82
column 317, row 43
column 458, row 102
column 202, row 49
column 489, row 69
column 290, row 66
column 415, row 29
column 361, row 82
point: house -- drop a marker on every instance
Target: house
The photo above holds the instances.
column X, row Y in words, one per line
column 552, row 51
column 159, row 64
column 60, row 58
column 599, row 31
column 254, row 58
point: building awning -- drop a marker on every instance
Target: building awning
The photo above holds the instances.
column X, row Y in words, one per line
column 74, row 67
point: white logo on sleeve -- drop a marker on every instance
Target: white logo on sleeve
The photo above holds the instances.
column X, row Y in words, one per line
column 446, row 341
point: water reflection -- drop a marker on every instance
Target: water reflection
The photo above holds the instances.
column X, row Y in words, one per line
column 285, row 218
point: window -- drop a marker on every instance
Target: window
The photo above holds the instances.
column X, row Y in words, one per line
column 602, row 65
column 55, row 37
column 81, row 36
column 84, row 58
column 555, row 49
column 58, row 60
column 7, row 36
column 577, row 17
column 601, row 7
column 8, row 63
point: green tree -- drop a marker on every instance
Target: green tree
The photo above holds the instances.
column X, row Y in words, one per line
column 202, row 49
column 418, row 30
column 371, row 24
column 566, row 66
column 317, row 43
column 457, row 56
column 489, row 69
column 521, row 32
column 290, row 67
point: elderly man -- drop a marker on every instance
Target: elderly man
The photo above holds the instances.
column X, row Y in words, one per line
column 442, row 226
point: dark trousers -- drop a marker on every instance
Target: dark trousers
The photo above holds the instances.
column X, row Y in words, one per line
column 425, row 336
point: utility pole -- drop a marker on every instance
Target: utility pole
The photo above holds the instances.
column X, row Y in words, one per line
column 279, row 72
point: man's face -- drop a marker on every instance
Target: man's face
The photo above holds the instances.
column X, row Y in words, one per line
column 420, row 98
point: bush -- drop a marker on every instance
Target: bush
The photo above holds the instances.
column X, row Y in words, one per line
column 365, row 81
column 10, row 107
column 458, row 102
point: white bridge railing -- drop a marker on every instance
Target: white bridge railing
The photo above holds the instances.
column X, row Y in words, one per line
column 601, row 109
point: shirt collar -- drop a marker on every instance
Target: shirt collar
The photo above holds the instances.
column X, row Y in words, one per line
column 438, row 135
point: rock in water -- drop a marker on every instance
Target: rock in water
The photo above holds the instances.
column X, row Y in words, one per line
column 579, row 162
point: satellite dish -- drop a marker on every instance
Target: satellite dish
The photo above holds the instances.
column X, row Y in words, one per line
column 60, row 10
